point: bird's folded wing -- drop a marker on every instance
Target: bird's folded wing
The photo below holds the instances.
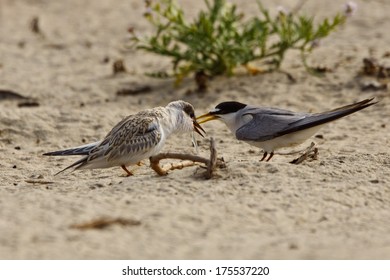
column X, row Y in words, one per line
column 130, row 136
column 267, row 124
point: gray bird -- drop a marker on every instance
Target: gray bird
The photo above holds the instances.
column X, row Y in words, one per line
column 272, row 128
column 135, row 138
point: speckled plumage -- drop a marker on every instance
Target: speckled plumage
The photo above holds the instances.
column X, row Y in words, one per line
column 135, row 138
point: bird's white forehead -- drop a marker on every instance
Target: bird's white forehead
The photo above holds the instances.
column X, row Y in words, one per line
column 215, row 110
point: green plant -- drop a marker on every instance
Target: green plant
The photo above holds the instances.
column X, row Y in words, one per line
column 220, row 39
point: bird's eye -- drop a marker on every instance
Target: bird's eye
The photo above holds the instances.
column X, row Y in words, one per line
column 192, row 115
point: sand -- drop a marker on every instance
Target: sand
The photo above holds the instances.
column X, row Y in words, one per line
column 335, row 207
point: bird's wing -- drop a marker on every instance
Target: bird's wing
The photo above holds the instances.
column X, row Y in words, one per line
column 266, row 124
column 271, row 123
column 132, row 135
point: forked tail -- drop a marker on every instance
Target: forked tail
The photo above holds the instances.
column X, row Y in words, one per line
column 81, row 150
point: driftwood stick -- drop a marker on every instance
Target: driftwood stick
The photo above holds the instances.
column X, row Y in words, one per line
column 210, row 163
column 194, row 158
column 155, row 162
column 180, row 165
column 213, row 159
column 310, row 152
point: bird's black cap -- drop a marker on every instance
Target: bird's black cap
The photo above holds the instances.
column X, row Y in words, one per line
column 228, row 107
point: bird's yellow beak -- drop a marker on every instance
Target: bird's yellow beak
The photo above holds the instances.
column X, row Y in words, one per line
column 207, row 117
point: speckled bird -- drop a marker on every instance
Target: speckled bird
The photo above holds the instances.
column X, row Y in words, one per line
column 135, row 138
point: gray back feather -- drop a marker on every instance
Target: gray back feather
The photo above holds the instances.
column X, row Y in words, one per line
column 267, row 123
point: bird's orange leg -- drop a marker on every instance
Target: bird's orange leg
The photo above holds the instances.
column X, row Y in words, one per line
column 127, row 171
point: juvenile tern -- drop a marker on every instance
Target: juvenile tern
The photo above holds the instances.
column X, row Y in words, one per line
column 272, row 128
column 135, row 138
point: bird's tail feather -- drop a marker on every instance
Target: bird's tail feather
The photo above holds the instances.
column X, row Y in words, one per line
column 81, row 150
column 76, row 165
column 355, row 106
column 328, row 116
column 342, row 111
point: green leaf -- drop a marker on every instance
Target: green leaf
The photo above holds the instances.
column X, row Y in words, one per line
column 220, row 38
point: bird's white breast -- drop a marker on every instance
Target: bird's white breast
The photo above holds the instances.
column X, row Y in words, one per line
column 285, row 141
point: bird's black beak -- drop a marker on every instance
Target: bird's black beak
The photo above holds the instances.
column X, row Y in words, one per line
column 198, row 128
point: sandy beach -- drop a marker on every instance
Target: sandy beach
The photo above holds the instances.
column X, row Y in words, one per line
column 335, row 207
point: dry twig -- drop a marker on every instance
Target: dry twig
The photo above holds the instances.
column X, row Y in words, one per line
column 211, row 163
column 310, row 153
column 38, row 182
column 105, row 222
